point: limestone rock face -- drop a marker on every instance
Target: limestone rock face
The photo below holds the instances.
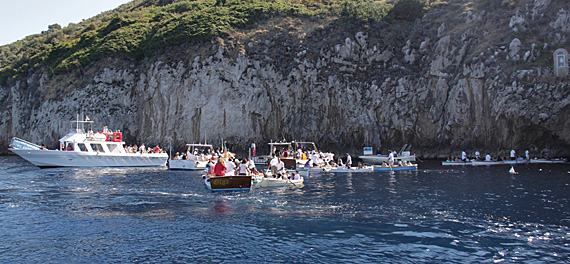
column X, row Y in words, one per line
column 441, row 86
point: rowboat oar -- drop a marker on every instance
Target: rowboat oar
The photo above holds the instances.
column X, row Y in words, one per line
column 291, row 182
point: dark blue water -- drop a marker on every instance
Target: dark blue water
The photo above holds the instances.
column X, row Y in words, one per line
column 435, row 215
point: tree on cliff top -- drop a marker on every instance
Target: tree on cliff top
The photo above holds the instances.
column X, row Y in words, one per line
column 408, row 10
column 141, row 28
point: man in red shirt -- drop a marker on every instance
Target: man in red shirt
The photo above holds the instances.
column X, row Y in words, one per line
column 220, row 168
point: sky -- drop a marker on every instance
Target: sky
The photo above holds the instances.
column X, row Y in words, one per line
column 21, row 18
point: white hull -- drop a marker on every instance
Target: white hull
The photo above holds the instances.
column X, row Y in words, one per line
column 455, row 163
column 543, row 161
column 187, row 165
column 273, row 182
column 515, row 161
column 340, row 169
column 504, row 162
column 379, row 159
column 397, row 168
column 56, row 158
column 482, row 163
column 486, row 163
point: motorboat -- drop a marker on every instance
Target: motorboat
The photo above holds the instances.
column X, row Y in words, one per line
column 275, row 147
column 228, row 183
column 547, row 161
column 455, row 163
column 368, row 168
column 487, row 163
column 306, row 148
column 403, row 167
column 295, row 154
column 81, row 149
column 403, row 156
column 197, row 157
column 516, row 161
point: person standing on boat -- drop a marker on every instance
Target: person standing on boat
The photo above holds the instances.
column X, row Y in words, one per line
column 463, row 156
column 390, row 159
column 253, row 148
column 315, row 159
column 220, row 168
column 348, row 161
column 513, row 154
column 527, row 154
column 251, row 166
column 280, row 167
column 230, row 167
column 273, row 165
column 243, row 169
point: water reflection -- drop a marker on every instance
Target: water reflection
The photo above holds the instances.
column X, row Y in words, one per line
column 457, row 215
column 219, row 207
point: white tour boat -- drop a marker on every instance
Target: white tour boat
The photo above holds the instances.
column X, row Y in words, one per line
column 379, row 159
column 403, row 156
column 197, row 158
column 80, row 149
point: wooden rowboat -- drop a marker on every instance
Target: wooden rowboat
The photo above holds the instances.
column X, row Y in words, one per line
column 228, row 183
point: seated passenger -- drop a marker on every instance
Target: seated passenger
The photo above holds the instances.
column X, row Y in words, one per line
column 296, row 176
column 220, row 168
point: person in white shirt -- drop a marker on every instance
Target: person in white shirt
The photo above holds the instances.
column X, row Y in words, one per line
column 280, row 167
column 477, row 155
column 464, row 156
column 251, row 166
column 273, row 164
column 230, row 167
column 315, row 159
column 348, row 161
column 527, row 154
column 513, row 155
column 391, row 159
column 296, row 176
column 243, row 169
column 488, row 157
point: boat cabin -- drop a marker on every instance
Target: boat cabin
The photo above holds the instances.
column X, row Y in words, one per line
column 79, row 141
column 200, row 152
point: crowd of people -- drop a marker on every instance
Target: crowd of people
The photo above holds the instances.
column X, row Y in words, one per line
column 142, row 149
column 230, row 167
column 478, row 157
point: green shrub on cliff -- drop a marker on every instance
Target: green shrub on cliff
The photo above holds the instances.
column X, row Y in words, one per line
column 143, row 27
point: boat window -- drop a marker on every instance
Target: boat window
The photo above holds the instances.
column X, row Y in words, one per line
column 69, row 146
column 113, row 148
column 97, row 147
column 81, row 147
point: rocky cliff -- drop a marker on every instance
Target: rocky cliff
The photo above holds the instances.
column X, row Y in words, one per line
column 467, row 75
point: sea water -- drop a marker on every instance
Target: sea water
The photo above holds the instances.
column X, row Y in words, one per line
column 433, row 215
